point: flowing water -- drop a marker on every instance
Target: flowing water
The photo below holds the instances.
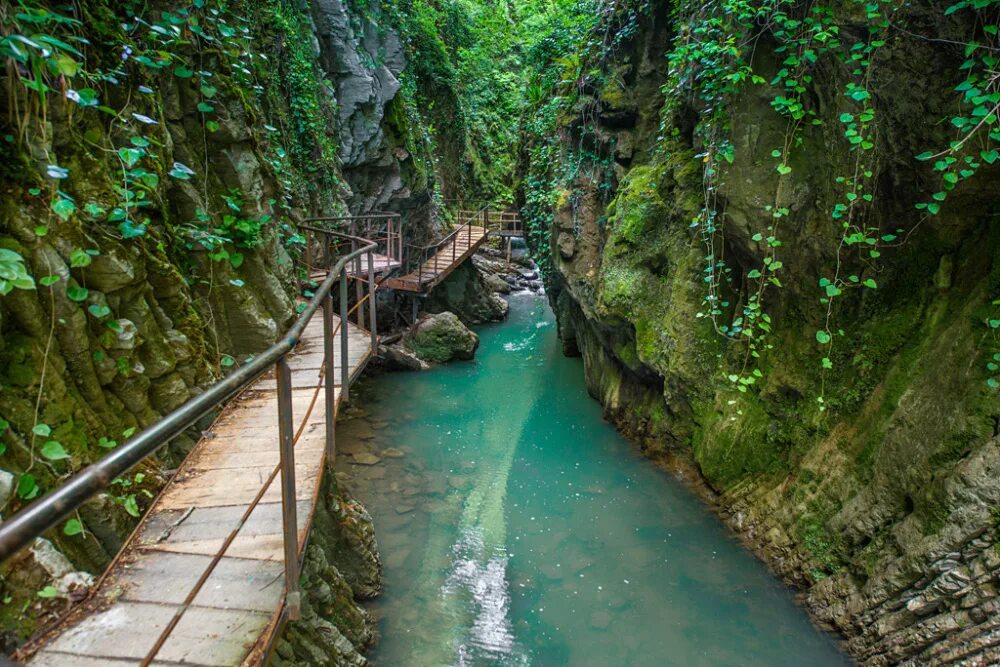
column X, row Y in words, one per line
column 518, row 528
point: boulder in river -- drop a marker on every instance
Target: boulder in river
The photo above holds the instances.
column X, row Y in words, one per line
column 442, row 337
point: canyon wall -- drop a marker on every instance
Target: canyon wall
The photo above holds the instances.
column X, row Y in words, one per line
column 852, row 439
column 155, row 161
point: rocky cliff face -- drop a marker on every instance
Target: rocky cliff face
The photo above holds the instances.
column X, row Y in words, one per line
column 154, row 165
column 881, row 499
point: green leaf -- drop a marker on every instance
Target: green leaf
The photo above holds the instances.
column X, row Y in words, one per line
column 183, row 72
column 827, row 363
column 99, row 311
column 48, row 592
column 85, row 97
column 205, row 108
column 53, row 451
column 870, row 284
column 783, row 169
column 131, row 506
column 926, row 155
column 181, row 171
column 822, row 337
column 49, row 281
column 62, row 207
column 73, row 527
column 77, row 293
column 130, row 156
column 107, row 443
column 934, row 208
column 80, row 258
column 43, row 430
column 27, row 487
column 990, row 156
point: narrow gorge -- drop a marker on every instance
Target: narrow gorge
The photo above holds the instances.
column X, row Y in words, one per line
column 768, row 230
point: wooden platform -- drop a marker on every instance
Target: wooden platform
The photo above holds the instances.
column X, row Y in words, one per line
column 438, row 267
column 382, row 264
column 236, row 613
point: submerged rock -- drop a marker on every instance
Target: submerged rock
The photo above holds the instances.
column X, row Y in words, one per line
column 366, row 459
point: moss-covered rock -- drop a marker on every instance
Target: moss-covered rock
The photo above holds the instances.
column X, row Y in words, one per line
column 440, row 338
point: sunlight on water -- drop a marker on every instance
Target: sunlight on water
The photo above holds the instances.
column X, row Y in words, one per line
column 518, row 528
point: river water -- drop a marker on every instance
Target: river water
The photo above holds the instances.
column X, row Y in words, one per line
column 518, row 528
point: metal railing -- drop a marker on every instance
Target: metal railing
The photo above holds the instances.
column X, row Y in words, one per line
column 383, row 229
column 501, row 223
column 22, row 528
column 416, row 256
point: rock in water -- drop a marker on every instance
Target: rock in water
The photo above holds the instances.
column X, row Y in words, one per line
column 366, row 459
column 442, row 337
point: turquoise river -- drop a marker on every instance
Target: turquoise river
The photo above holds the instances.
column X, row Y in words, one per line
column 519, row 528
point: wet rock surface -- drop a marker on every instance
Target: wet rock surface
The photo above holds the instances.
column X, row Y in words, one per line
column 342, row 567
column 440, row 338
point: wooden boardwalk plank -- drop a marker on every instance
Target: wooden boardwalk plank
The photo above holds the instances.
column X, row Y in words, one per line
column 127, row 630
column 437, row 268
column 189, row 522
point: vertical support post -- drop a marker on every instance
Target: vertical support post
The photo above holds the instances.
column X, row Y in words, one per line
column 330, row 381
column 371, row 302
column 289, row 516
column 345, row 366
column 358, row 289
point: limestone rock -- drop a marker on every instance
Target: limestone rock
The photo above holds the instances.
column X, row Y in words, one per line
column 397, row 357
column 442, row 337
column 566, row 243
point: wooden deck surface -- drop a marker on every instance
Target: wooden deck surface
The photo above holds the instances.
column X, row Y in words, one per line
column 438, row 267
column 236, row 611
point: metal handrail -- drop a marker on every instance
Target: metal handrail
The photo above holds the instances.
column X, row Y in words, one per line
column 425, row 252
column 21, row 529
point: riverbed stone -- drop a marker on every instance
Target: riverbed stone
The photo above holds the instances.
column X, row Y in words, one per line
column 366, row 458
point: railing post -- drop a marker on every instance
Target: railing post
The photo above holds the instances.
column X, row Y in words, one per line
column 289, row 511
column 345, row 367
column 330, row 363
column 371, row 302
column 358, row 289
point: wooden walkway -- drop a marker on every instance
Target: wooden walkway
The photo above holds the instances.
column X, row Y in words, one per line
column 445, row 259
column 236, row 614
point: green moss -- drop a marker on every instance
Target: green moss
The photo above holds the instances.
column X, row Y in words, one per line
column 738, row 441
column 637, row 206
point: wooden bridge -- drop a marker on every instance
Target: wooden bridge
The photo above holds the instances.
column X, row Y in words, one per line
column 211, row 574
column 427, row 266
